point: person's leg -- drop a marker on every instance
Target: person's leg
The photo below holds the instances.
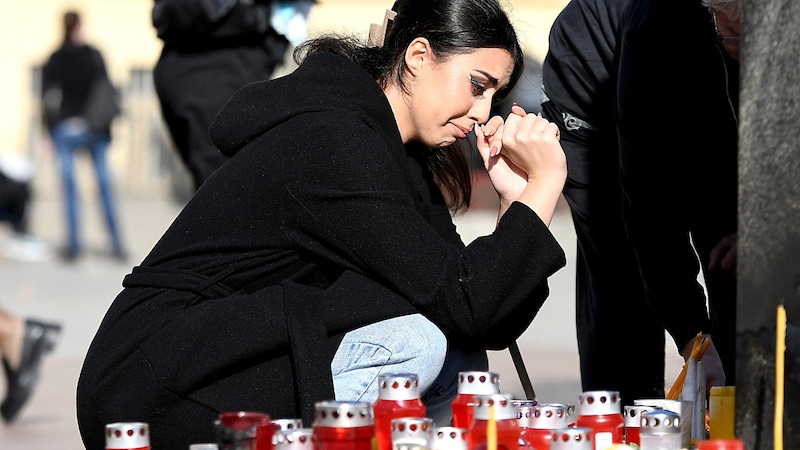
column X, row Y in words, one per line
column 407, row 344
column 217, row 74
column 23, row 344
column 67, row 139
column 98, row 148
column 12, row 330
column 613, row 317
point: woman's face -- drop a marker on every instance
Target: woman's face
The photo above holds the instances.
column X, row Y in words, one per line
column 448, row 97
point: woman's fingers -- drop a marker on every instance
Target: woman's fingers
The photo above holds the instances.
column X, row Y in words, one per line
column 517, row 113
column 482, row 140
column 523, row 130
column 491, row 136
column 518, row 129
column 531, row 142
column 490, row 128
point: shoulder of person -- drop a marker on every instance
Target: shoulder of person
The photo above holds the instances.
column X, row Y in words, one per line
column 96, row 56
column 94, row 50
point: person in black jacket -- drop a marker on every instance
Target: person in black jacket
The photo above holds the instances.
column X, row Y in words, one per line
column 580, row 78
column 211, row 49
column 680, row 194
column 613, row 318
column 323, row 253
column 67, row 79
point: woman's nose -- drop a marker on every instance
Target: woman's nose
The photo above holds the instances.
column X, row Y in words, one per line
column 480, row 110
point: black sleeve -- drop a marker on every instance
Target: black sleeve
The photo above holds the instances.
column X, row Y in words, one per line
column 492, row 288
column 210, row 18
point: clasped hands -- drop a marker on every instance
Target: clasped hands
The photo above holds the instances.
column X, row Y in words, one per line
column 521, row 151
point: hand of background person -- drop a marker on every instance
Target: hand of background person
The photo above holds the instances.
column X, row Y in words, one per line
column 715, row 374
column 520, row 152
column 724, row 255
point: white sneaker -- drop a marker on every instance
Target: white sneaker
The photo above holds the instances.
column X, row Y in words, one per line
column 24, row 247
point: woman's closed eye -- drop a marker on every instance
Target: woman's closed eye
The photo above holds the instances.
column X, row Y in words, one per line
column 478, row 87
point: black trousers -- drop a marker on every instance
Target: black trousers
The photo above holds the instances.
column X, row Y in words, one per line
column 620, row 340
column 193, row 85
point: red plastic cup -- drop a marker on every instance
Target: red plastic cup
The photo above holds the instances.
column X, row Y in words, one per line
column 633, row 417
column 471, row 384
column 398, row 397
column 545, row 418
column 572, row 438
column 244, row 430
column 340, row 425
column 506, row 425
column 602, row 412
column 720, row 444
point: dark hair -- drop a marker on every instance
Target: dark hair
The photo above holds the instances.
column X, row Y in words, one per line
column 452, row 27
column 71, row 21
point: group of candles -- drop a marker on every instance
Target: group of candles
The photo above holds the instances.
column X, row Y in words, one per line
column 483, row 418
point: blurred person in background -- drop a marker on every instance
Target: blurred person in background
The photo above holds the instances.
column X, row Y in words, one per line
column 210, row 50
column 16, row 175
column 67, row 80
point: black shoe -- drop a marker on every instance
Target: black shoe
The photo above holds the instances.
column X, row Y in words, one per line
column 40, row 338
column 119, row 255
column 69, row 255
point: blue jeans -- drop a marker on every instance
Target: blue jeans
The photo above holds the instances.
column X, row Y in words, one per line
column 407, row 344
column 70, row 136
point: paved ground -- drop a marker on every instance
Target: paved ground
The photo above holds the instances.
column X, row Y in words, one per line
column 79, row 294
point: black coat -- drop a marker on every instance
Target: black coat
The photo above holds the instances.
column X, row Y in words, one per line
column 321, row 222
column 677, row 119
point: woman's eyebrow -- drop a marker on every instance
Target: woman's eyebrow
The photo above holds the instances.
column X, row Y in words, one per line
column 489, row 77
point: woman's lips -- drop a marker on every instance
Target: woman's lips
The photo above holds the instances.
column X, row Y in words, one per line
column 462, row 132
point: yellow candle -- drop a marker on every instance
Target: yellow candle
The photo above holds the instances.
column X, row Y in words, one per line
column 491, row 430
column 780, row 350
column 722, row 412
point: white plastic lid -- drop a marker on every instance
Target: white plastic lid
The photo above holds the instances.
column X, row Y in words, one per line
column 398, row 386
column 121, row 435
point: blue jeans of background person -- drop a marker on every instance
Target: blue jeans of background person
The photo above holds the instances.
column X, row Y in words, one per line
column 71, row 136
column 407, row 344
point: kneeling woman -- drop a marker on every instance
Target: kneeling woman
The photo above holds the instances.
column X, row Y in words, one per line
column 323, row 252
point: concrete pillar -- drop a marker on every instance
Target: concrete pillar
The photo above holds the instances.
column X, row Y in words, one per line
column 769, row 220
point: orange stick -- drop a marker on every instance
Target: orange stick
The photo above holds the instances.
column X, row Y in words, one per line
column 677, row 386
column 698, row 350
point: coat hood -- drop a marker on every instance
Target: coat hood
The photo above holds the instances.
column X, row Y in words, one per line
column 323, row 82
